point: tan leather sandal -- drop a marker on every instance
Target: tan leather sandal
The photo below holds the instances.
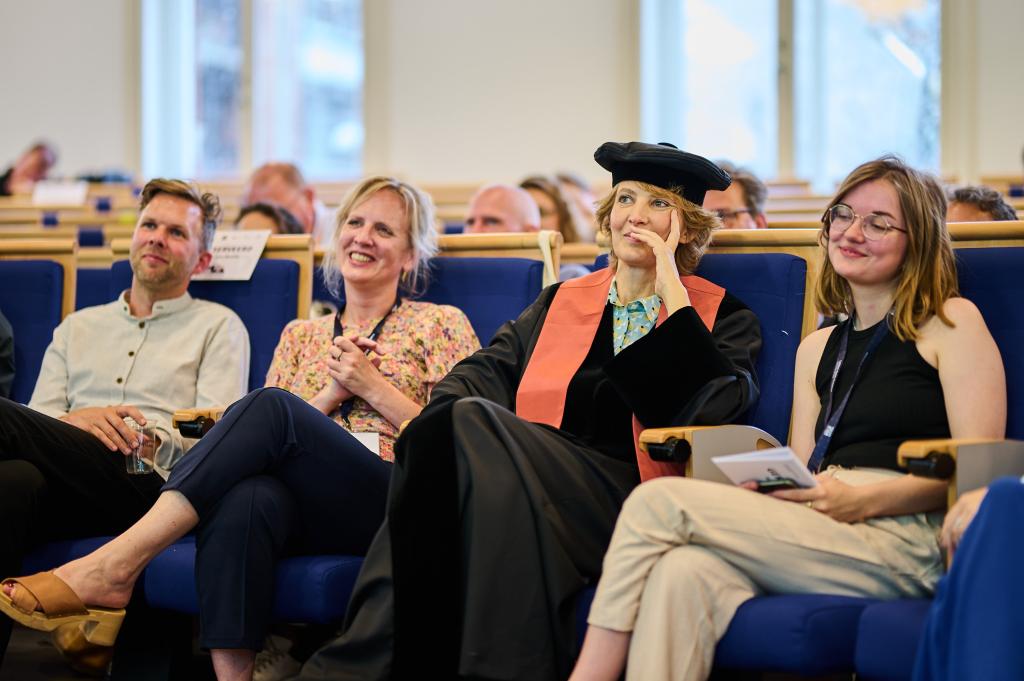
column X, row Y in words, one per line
column 82, row 656
column 44, row 602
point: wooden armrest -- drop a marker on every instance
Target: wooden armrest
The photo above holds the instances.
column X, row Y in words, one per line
column 966, row 464
column 697, row 444
column 195, row 423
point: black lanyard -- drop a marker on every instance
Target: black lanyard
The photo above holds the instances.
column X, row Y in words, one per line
column 347, row 406
column 832, row 418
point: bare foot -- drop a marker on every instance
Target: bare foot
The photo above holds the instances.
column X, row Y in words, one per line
column 94, row 579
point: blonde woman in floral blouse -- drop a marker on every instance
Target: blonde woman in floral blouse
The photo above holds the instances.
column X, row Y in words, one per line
column 275, row 475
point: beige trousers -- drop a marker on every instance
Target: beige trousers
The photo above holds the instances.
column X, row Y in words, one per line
column 686, row 553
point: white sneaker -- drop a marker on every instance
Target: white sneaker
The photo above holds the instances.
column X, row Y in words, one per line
column 273, row 663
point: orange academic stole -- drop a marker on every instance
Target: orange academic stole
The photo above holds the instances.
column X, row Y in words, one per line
column 565, row 340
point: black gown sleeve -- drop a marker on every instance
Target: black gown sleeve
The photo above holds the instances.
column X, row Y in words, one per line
column 680, row 374
column 6, row 357
column 494, row 372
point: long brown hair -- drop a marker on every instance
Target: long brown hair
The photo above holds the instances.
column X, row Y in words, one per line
column 927, row 277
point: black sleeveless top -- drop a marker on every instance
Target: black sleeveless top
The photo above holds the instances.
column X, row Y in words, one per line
column 897, row 397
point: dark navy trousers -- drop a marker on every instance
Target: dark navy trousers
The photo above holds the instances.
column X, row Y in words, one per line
column 274, row 477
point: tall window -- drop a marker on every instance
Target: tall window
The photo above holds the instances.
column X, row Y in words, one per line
column 219, row 62
column 230, row 84
column 835, row 82
column 307, row 84
column 867, row 77
column 729, row 78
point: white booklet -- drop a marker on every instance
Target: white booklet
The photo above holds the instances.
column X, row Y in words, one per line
column 767, row 465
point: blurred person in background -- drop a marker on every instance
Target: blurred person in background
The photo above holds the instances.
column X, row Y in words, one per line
column 31, row 167
column 283, row 185
column 741, row 206
column 557, row 210
column 268, row 216
column 978, row 204
column 579, row 191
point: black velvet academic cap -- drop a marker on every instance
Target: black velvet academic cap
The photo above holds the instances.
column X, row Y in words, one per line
column 662, row 165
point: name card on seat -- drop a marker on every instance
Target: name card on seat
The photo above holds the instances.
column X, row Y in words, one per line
column 235, row 254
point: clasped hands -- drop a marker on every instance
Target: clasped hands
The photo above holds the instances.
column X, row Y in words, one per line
column 353, row 370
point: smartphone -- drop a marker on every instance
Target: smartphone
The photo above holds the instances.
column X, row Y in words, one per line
column 775, row 484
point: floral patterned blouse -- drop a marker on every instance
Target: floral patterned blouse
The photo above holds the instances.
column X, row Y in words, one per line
column 421, row 342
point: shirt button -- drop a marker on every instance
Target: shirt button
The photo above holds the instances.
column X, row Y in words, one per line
column 120, row 380
column 142, row 325
column 131, row 353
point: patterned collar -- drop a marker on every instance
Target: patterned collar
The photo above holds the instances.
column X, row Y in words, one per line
column 650, row 305
column 632, row 321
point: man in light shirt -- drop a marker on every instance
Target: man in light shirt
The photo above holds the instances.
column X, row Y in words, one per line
column 153, row 350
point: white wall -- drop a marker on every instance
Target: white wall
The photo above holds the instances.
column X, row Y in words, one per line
column 458, row 90
column 1000, row 86
column 70, row 75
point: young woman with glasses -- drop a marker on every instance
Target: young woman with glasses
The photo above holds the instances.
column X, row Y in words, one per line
column 913, row 361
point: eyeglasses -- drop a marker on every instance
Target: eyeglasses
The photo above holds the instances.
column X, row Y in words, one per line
column 839, row 217
column 729, row 215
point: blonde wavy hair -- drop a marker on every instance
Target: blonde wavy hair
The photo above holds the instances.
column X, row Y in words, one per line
column 695, row 221
column 927, row 278
column 419, row 211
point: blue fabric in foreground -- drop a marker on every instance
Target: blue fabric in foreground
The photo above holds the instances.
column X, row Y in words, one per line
column 975, row 627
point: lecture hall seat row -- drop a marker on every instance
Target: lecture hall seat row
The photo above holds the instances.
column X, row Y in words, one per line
column 819, row 632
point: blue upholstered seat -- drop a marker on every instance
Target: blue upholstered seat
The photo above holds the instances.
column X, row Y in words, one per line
column 266, row 303
column 772, row 286
column 887, row 638
column 311, row 589
column 92, row 287
column 808, row 635
column 490, row 291
column 56, row 553
column 31, row 296
column 993, row 279
column 90, row 236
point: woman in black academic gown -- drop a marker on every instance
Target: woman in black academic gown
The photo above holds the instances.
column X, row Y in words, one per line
column 507, row 486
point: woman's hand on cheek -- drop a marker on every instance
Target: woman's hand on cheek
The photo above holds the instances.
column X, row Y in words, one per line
column 835, row 499
column 666, row 284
